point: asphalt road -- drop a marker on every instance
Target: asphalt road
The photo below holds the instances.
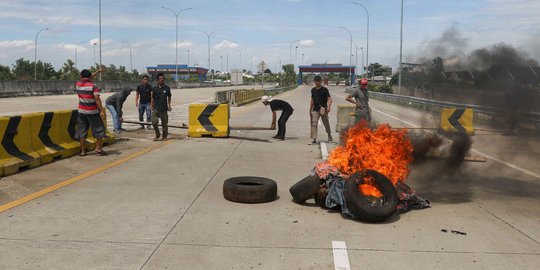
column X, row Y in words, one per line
column 164, row 209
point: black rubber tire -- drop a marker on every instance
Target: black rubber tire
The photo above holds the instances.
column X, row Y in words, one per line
column 250, row 189
column 367, row 208
column 305, row 188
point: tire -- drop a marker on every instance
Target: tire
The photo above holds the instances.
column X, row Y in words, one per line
column 368, row 208
column 305, row 188
column 249, row 189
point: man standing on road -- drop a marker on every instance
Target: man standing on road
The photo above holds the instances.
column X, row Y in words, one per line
column 114, row 104
column 361, row 100
column 161, row 104
column 278, row 105
column 319, row 107
column 91, row 112
column 143, row 100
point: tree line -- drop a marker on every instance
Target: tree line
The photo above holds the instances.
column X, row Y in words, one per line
column 23, row 70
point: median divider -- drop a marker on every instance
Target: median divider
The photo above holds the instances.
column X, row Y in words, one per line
column 29, row 140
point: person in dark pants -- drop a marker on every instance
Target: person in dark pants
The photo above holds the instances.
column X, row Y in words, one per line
column 114, row 104
column 91, row 112
column 161, row 104
column 278, row 105
column 143, row 100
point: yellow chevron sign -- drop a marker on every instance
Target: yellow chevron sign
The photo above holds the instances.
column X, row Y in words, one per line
column 208, row 120
column 457, row 120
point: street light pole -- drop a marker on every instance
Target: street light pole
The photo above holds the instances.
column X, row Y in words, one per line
column 356, row 55
column 302, row 59
column 350, row 51
column 76, row 47
column 130, row 56
column 290, row 50
column 100, row 39
column 367, row 34
column 176, row 15
column 296, row 55
column 362, row 49
column 35, row 52
column 188, row 64
column 94, row 54
column 209, row 35
column 400, row 50
column 221, row 65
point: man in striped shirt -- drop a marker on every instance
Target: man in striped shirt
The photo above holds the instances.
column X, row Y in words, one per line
column 91, row 112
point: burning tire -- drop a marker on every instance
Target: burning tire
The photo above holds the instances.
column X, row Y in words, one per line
column 250, row 189
column 370, row 208
column 305, row 188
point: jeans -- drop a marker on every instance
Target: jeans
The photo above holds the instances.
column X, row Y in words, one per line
column 117, row 124
column 145, row 107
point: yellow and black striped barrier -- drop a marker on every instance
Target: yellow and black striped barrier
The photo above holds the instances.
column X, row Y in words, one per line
column 30, row 140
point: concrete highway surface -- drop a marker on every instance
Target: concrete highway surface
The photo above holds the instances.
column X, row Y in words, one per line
column 159, row 205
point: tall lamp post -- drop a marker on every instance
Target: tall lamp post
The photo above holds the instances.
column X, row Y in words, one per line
column 302, row 59
column 188, row 64
column 290, row 50
column 350, row 53
column 362, row 49
column 356, row 55
column 95, row 43
column 130, row 56
column 176, row 15
column 76, row 47
column 400, row 50
column 99, row 40
column 367, row 32
column 209, row 35
column 35, row 52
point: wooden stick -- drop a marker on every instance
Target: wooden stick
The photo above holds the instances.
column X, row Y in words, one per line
column 184, row 126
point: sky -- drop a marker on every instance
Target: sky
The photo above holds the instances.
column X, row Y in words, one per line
column 249, row 32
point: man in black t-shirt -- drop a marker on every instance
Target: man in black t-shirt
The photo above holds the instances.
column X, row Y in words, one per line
column 319, row 107
column 143, row 100
column 161, row 104
column 278, row 105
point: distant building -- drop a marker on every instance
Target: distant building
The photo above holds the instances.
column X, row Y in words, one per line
column 183, row 71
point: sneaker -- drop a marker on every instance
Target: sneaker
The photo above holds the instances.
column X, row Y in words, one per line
column 142, row 128
column 156, row 139
column 149, row 128
column 116, row 131
column 314, row 142
column 330, row 138
column 282, row 138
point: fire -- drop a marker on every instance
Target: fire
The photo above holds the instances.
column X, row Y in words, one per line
column 384, row 149
column 367, row 188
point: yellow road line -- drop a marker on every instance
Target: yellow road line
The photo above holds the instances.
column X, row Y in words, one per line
column 70, row 181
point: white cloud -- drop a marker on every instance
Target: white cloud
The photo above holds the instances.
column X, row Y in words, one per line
column 307, row 42
column 17, row 44
column 104, row 41
column 226, row 44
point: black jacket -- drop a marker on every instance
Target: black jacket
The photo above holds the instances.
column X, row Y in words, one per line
column 118, row 99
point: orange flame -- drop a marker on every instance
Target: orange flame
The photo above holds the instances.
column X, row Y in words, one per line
column 385, row 150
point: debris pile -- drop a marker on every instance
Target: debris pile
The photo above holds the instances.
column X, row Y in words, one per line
column 365, row 177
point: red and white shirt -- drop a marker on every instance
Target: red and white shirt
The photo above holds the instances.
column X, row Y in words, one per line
column 87, row 92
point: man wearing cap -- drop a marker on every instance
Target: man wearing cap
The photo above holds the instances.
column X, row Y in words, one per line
column 286, row 111
column 361, row 100
column 319, row 107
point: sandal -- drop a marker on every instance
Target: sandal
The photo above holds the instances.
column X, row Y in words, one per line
column 101, row 152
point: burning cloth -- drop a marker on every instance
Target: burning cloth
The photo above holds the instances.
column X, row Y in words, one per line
column 384, row 150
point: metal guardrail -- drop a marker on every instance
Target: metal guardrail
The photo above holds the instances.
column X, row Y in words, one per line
column 244, row 96
column 528, row 116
